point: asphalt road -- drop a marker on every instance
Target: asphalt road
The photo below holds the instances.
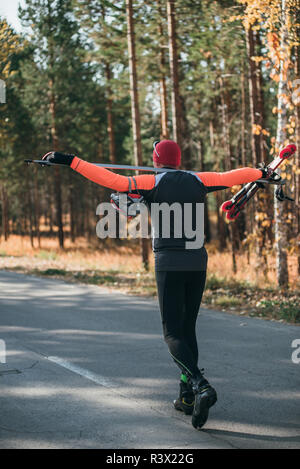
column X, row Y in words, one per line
column 88, row 368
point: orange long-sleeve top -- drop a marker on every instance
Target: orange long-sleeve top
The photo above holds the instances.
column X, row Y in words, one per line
column 120, row 183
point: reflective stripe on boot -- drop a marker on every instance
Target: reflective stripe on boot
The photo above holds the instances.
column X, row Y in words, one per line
column 185, row 401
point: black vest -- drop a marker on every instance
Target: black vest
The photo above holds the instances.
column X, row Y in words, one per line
column 179, row 188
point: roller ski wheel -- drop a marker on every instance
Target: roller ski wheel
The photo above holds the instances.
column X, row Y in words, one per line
column 232, row 215
column 288, row 151
column 226, row 206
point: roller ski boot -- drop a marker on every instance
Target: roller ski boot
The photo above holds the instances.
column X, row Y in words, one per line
column 205, row 398
column 233, row 207
column 185, row 401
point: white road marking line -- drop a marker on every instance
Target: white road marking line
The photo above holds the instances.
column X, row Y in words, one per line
column 98, row 379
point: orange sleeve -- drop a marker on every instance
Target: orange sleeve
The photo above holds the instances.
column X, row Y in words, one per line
column 144, row 182
column 107, row 178
column 230, row 178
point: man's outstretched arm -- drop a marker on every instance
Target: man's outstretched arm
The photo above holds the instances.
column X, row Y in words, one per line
column 112, row 180
column 102, row 176
column 212, row 181
column 217, row 181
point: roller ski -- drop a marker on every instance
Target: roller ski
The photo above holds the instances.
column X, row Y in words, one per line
column 196, row 397
column 205, row 398
column 233, row 207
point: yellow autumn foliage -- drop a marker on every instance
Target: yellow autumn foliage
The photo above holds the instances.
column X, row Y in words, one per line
column 9, row 44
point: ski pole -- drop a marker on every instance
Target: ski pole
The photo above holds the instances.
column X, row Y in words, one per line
column 112, row 166
column 132, row 168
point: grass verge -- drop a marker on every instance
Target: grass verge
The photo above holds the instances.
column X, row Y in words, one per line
column 247, row 292
column 248, row 299
column 227, row 295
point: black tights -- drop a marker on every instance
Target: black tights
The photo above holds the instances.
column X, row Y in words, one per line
column 180, row 295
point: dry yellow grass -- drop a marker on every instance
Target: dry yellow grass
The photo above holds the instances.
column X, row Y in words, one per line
column 79, row 256
column 220, row 264
column 17, row 251
column 247, row 292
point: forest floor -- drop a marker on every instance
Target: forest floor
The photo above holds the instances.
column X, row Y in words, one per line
column 248, row 292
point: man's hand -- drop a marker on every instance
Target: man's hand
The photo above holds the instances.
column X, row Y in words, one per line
column 268, row 173
column 58, row 158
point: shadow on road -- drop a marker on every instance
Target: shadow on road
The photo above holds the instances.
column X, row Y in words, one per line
column 119, row 337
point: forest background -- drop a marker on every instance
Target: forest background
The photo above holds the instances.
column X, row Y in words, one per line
column 103, row 80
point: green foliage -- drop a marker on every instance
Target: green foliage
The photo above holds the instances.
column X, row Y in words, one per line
column 288, row 310
column 74, row 54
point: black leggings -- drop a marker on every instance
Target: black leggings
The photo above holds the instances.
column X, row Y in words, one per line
column 180, row 295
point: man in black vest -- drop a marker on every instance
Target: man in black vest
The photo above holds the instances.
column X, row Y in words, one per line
column 180, row 256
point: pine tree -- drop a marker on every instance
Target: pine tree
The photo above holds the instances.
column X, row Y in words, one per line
column 62, row 90
column 10, row 46
column 135, row 110
column 279, row 208
column 174, row 72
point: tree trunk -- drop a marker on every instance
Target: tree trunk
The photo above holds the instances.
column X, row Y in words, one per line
column 57, row 176
column 297, row 137
column 162, row 81
column 37, row 207
column 110, row 121
column 243, row 119
column 211, row 134
column 280, row 207
column 245, row 219
column 222, row 231
column 53, row 130
column 255, row 99
column 228, row 164
column 261, row 101
column 72, row 211
column 5, row 223
column 30, row 209
column 135, row 113
column 175, row 95
column 207, row 230
column 109, row 103
column 264, row 202
column 164, row 107
column 49, row 198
